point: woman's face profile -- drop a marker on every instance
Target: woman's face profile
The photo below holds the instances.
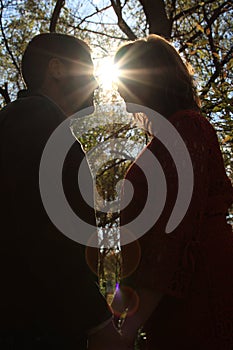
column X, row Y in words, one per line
column 126, row 89
column 134, row 86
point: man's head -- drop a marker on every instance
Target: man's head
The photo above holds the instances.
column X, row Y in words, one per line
column 60, row 66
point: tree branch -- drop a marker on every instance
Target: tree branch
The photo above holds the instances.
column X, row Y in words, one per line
column 215, row 15
column 217, row 71
column 116, row 5
column 211, row 41
column 6, row 42
column 94, row 13
column 55, row 15
column 5, row 94
column 190, row 10
column 157, row 18
column 107, row 220
column 99, row 33
column 113, row 165
column 173, row 10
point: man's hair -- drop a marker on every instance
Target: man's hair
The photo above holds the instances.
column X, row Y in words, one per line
column 42, row 48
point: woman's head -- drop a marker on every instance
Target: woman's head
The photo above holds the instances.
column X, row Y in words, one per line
column 152, row 73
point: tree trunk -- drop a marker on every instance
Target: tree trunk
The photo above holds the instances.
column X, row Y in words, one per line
column 157, row 18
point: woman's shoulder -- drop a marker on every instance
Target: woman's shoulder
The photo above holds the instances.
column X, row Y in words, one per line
column 194, row 124
column 188, row 115
column 190, row 125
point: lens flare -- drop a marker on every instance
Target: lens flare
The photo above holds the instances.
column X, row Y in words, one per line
column 106, row 73
column 125, row 298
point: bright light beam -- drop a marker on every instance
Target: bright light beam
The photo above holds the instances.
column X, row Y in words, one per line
column 106, row 73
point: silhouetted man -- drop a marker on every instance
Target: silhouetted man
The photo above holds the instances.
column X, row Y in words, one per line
column 49, row 298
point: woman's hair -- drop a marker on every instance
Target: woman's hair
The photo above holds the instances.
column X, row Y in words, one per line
column 45, row 46
column 153, row 62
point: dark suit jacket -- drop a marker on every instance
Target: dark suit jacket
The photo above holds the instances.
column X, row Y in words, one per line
column 46, row 286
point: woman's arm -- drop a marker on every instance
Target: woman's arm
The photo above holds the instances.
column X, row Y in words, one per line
column 148, row 301
column 107, row 338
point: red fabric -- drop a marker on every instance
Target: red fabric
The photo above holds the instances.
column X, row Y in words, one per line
column 192, row 266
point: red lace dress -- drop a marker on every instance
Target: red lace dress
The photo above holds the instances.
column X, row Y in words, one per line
column 193, row 265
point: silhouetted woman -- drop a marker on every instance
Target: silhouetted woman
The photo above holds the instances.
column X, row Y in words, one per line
column 184, row 280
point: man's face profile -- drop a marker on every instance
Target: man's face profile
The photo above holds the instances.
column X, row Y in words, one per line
column 78, row 84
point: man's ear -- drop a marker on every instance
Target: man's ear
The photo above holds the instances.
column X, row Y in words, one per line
column 56, row 68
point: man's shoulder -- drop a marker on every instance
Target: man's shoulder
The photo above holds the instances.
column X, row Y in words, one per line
column 31, row 107
column 24, row 104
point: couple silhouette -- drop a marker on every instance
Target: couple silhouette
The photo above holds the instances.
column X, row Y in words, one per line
column 182, row 283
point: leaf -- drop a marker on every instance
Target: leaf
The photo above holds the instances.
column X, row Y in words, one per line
column 230, row 64
column 227, row 138
column 200, row 28
column 215, row 54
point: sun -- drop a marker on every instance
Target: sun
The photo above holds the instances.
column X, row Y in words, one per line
column 106, row 73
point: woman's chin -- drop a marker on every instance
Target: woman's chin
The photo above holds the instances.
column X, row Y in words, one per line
column 130, row 107
column 134, row 106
